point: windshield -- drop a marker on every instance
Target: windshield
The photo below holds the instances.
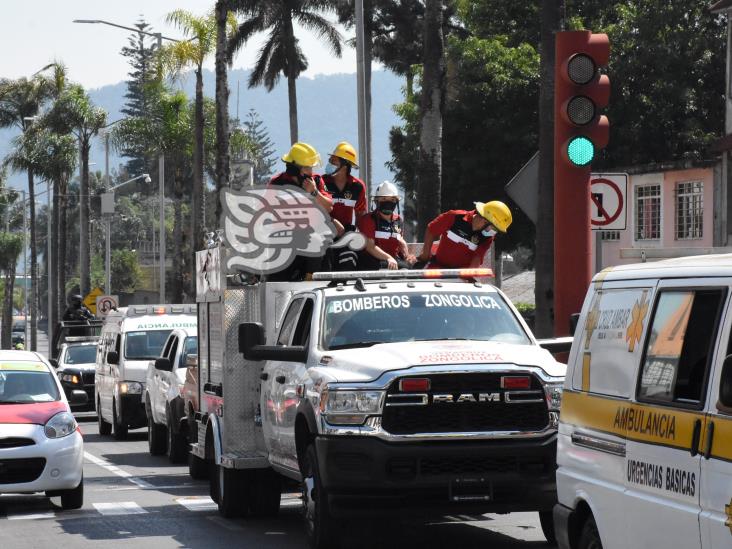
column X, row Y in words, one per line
column 420, row 316
column 83, row 354
column 145, row 345
column 24, row 384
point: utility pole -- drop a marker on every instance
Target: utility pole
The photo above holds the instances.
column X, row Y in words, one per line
column 107, row 224
column 161, row 192
column 363, row 137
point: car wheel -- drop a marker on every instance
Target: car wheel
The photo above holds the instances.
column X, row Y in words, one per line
column 231, row 491
column 197, row 467
column 590, row 536
column 546, row 518
column 74, row 498
column 320, row 527
column 177, row 445
column 119, row 430
column 105, row 428
column 265, row 493
column 155, row 437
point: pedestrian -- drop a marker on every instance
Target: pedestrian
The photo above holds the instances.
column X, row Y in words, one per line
column 385, row 245
column 465, row 236
column 300, row 161
column 349, row 200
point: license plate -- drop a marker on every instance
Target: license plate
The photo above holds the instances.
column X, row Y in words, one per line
column 471, row 489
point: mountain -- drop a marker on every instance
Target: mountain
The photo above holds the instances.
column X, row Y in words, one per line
column 326, row 110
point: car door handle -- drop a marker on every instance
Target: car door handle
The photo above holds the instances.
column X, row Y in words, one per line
column 264, row 376
column 280, row 379
column 708, row 441
column 696, row 434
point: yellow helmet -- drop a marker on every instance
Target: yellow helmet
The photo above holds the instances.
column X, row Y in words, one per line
column 303, row 155
column 347, row 152
column 497, row 213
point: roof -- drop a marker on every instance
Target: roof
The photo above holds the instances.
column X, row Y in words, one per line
column 188, row 331
column 20, row 356
column 679, row 267
column 721, row 6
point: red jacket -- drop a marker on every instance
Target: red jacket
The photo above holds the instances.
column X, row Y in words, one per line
column 348, row 204
column 459, row 243
column 386, row 233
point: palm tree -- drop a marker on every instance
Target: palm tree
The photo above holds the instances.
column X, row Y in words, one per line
column 281, row 53
column 20, row 101
column 200, row 44
column 74, row 112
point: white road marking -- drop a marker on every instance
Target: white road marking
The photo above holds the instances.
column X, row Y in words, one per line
column 119, row 508
column 104, row 464
column 31, row 516
column 197, row 503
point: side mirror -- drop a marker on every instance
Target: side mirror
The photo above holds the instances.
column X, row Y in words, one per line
column 53, row 362
column 251, row 334
column 725, row 385
column 78, row 398
column 113, row 357
column 163, row 364
column 573, row 321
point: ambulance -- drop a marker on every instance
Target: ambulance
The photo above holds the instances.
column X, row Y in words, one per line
column 645, row 433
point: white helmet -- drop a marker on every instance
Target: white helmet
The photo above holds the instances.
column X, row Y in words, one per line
column 386, row 188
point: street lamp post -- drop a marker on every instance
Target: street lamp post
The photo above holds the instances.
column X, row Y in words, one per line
column 161, row 158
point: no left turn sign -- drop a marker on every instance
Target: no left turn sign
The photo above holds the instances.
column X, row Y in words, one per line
column 608, row 196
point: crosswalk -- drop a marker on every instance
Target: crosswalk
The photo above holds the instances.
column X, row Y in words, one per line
column 197, row 504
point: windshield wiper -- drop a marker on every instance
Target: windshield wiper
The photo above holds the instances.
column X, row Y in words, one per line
column 354, row 345
column 446, row 339
column 18, row 401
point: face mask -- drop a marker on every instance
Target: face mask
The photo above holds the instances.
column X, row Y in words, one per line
column 489, row 233
column 330, row 169
column 387, row 208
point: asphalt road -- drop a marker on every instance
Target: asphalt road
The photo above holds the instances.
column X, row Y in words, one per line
column 136, row 500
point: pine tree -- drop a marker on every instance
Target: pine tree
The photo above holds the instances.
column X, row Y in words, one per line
column 264, row 159
column 140, row 54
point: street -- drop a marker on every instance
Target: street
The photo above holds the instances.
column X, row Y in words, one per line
column 133, row 499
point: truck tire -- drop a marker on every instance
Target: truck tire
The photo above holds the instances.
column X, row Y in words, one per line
column 105, row 428
column 320, row 527
column 231, row 491
column 546, row 518
column 119, row 430
column 265, row 493
column 590, row 536
column 177, row 445
column 74, row 498
column 197, row 467
column 156, row 437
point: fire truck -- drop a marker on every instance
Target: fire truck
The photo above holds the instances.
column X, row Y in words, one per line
column 419, row 391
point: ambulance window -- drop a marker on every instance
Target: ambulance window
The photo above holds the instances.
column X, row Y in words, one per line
column 171, row 349
column 288, row 324
column 681, row 342
column 302, row 331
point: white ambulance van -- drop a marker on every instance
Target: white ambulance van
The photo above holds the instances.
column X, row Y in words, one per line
column 645, row 433
column 131, row 337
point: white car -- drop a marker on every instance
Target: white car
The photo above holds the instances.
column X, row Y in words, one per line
column 41, row 448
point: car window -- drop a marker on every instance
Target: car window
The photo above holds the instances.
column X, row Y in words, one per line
column 27, row 383
column 680, row 346
column 190, row 347
column 82, row 354
column 302, row 329
column 145, row 345
column 168, row 344
column 172, row 348
column 288, row 324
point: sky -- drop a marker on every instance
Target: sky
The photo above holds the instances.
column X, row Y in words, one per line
column 34, row 33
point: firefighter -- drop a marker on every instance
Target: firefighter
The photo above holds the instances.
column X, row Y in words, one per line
column 349, row 200
column 465, row 236
column 299, row 164
column 385, row 246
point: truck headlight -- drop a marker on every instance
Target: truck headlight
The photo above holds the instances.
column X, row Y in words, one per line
column 348, row 407
column 554, row 395
column 61, row 425
column 70, row 378
column 130, row 388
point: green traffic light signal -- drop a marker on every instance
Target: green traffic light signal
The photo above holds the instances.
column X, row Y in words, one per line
column 580, row 151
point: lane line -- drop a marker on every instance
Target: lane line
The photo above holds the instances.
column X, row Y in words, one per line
column 120, row 508
column 31, row 516
column 109, row 466
column 197, row 503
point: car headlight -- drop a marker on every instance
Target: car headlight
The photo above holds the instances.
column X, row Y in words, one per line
column 349, row 407
column 61, row 425
column 130, row 388
column 70, row 378
column 554, row 395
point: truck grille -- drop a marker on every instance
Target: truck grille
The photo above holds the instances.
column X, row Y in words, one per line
column 16, row 442
column 493, row 414
column 87, row 378
column 498, row 464
column 15, row 471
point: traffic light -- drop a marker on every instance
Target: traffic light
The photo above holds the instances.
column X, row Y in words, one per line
column 580, row 131
column 580, row 92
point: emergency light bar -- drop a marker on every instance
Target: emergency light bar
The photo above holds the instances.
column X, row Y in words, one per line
column 405, row 274
column 139, row 310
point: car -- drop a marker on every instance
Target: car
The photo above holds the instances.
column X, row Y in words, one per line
column 41, row 447
column 75, row 368
column 164, row 395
